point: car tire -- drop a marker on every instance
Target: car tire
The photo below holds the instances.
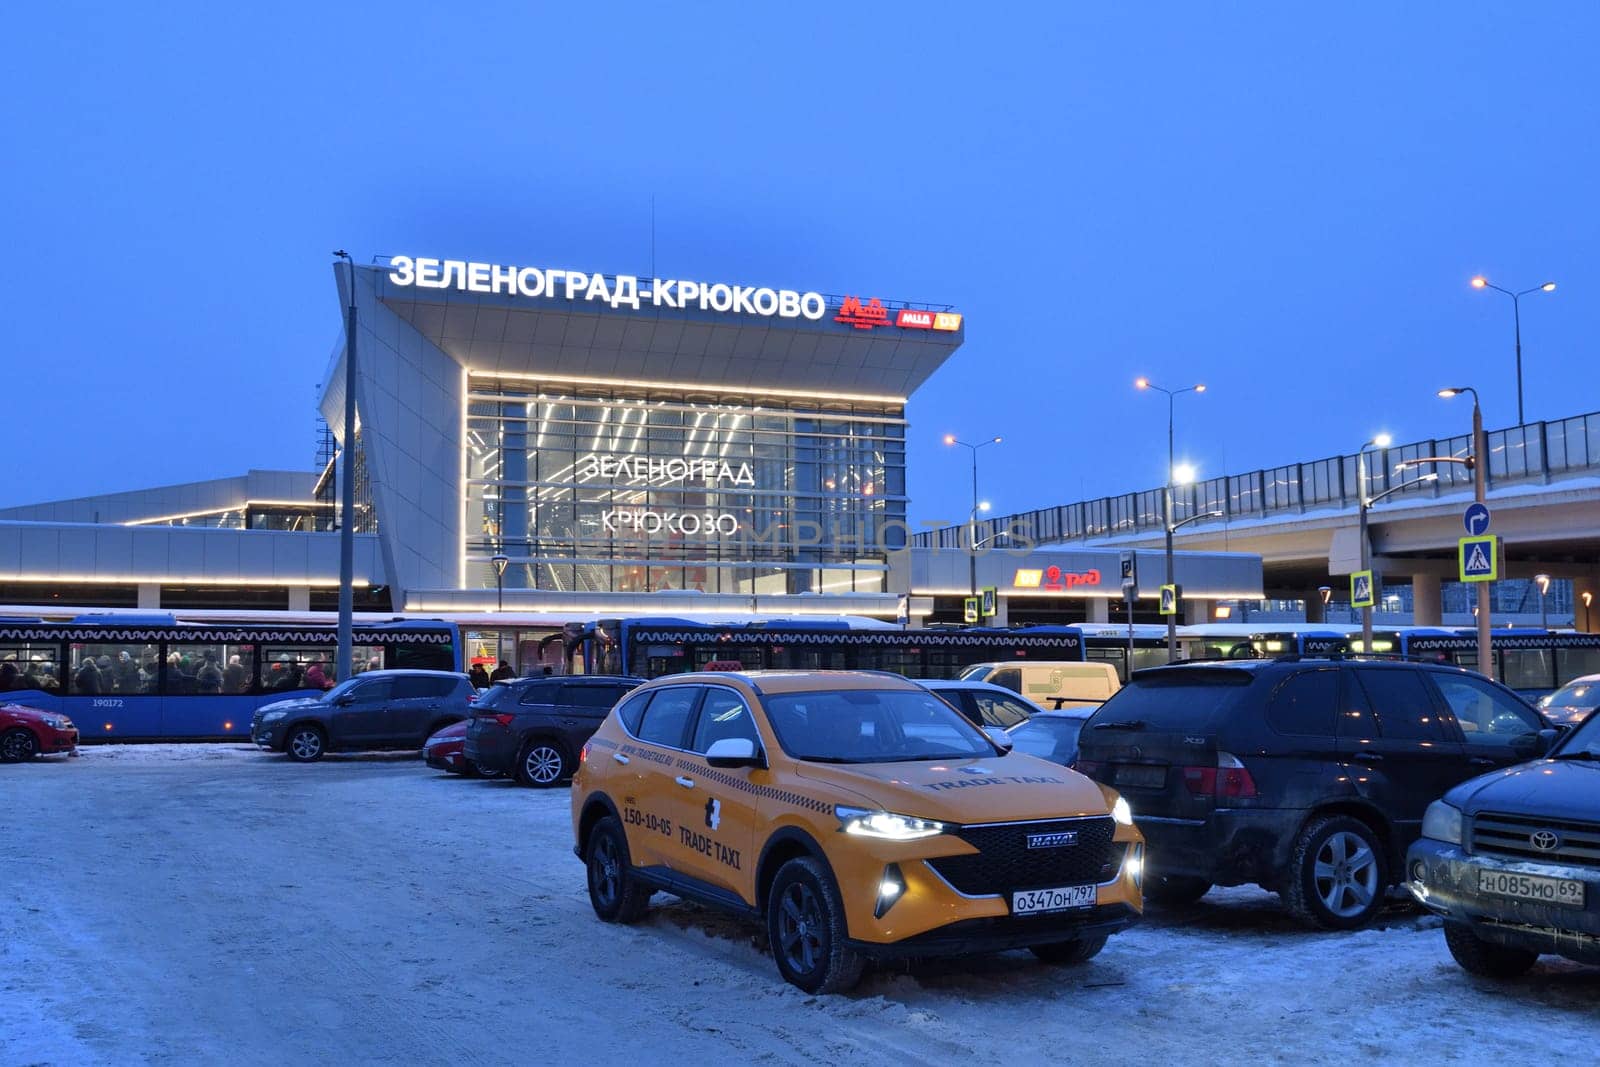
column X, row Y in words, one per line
column 305, row 743
column 807, row 930
column 1175, row 890
column 18, row 745
column 543, row 763
column 1069, row 953
column 474, row 769
column 616, row 895
column 1483, row 958
column 1337, row 875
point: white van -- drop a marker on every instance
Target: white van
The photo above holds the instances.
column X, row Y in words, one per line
column 1051, row 683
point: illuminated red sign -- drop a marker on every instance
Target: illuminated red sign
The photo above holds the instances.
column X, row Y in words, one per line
column 1059, row 580
column 914, row 320
column 862, row 316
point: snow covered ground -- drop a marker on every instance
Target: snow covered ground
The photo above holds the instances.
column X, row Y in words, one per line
column 183, row 904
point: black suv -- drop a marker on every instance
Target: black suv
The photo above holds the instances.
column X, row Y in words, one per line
column 534, row 728
column 1308, row 777
column 375, row 710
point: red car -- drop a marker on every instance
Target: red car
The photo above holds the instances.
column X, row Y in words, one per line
column 443, row 751
column 29, row 732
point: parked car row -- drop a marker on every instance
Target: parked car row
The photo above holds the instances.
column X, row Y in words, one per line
column 1321, row 780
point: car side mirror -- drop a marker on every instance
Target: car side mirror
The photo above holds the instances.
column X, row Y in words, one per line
column 734, row 752
column 1545, row 740
column 999, row 737
column 345, row 700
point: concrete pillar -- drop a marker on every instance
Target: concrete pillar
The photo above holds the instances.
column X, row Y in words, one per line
column 1195, row 612
column 1099, row 609
column 1000, row 613
column 150, row 595
column 1586, row 619
column 1427, row 603
column 299, row 598
column 1316, row 610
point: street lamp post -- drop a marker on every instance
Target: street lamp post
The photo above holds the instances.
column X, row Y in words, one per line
column 1166, row 501
column 347, row 490
column 500, row 560
column 977, row 506
column 1480, row 490
column 1588, row 598
column 1381, row 441
column 1480, row 282
column 1543, row 582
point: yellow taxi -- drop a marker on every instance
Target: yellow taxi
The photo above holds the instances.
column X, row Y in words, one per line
column 855, row 813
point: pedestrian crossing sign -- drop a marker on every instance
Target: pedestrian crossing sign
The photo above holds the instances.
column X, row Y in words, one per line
column 1361, row 590
column 1169, row 600
column 1480, row 558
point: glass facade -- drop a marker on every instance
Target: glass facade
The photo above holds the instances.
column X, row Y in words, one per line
column 619, row 489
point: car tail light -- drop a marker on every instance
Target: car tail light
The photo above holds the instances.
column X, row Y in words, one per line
column 1228, row 780
column 583, row 753
column 472, row 697
column 503, row 718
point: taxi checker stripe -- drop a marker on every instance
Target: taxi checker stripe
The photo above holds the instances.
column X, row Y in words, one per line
column 767, row 792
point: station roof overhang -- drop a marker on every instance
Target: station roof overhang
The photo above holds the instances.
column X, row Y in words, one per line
column 552, row 338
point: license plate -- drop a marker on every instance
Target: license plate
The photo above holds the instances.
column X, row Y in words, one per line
column 1039, row 901
column 1562, row 891
column 1139, row 777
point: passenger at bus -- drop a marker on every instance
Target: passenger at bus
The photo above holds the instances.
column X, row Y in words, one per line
column 233, row 678
column 315, row 679
column 129, row 681
column 10, row 677
column 150, row 676
column 87, row 680
column 208, row 679
column 479, row 676
column 502, row 672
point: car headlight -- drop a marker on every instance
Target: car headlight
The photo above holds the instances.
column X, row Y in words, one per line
column 863, row 822
column 1121, row 812
column 56, row 722
column 273, row 716
column 1442, row 822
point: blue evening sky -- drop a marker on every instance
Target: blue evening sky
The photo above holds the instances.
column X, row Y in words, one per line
column 1284, row 201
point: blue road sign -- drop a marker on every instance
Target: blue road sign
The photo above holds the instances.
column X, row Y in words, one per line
column 1476, row 519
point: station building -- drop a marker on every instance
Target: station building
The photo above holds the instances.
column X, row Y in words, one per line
column 559, row 442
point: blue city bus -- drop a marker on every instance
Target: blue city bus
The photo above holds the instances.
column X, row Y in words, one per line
column 651, row 647
column 150, row 676
column 1533, row 662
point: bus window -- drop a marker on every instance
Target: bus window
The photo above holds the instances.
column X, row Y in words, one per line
column 1575, row 663
column 1529, row 668
column 1118, row 657
column 113, row 669
column 31, row 665
column 209, row 668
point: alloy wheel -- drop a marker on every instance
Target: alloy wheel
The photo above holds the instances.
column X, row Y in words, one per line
column 800, row 928
column 543, row 764
column 16, row 746
column 306, row 745
column 1346, row 874
column 605, row 871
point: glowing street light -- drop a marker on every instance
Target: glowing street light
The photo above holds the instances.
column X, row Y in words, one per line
column 1142, row 383
column 1480, row 282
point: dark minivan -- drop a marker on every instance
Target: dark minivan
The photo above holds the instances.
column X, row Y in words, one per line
column 534, row 728
column 376, row 710
column 1307, row 777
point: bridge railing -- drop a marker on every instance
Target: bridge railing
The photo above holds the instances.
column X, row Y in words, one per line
column 1536, row 453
